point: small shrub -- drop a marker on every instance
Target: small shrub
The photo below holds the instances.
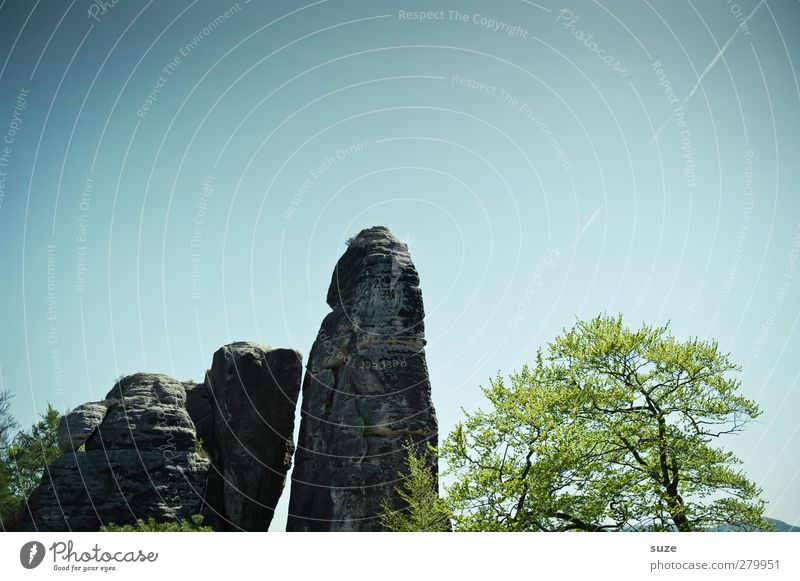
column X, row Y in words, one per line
column 193, row 525
column 421, row 509
column 200, row 449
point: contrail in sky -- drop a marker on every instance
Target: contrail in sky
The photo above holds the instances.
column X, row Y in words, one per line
column 722, row 50
column 585, row 227
column 711, row 65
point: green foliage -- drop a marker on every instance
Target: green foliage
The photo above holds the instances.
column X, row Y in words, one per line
column 10, row 505
column 612, row 429
column 200, row 448
column 7, row 422
column 422, row 510
column 31, row 452
column 193, row 525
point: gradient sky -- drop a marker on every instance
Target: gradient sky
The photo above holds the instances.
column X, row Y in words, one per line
column 172, row 185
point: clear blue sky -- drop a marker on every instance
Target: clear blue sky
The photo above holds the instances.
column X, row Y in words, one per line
column 189, row 177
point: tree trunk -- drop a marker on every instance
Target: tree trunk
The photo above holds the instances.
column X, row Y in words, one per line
column 670, row 480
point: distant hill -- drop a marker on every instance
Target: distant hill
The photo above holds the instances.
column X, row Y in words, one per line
column 783, row 527
column 779, row 525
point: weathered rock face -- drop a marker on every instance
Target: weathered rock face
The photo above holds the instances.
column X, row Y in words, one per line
column 139, row 461
column 366, row 391
column 148, row 413
column 77, row 426
column 252, row 391
column 142, row 456
column 157, row 447
column 116, row 486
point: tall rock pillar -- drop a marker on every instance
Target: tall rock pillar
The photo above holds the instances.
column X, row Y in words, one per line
column 366, row 391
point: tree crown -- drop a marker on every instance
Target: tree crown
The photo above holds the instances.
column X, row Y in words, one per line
column 610, row 429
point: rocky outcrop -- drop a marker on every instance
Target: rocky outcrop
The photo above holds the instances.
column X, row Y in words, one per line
column 148, row 412
column 366, row 392
column 158, row 447
column 252, row 391
column 77, row 426
column 140, row 461
column 83, row 490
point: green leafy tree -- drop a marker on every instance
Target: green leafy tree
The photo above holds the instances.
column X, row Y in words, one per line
column 193, row 525
column 9, row 504
column 421, row 508
column 7, row 422
column 611, row 429
column 31, row 452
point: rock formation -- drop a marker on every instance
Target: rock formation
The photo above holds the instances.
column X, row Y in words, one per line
column 366, row 390
column 252, row 391
column 140, row 460
column 157, row 447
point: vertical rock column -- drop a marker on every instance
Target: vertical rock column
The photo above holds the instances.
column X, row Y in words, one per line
column 244, row 412
column 366, row 391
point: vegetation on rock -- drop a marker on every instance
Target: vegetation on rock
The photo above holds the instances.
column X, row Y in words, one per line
column 422, row 510
column 23, row 458
column 193, row 525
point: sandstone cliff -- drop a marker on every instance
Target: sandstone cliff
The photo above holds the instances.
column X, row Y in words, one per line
column 157, row 447
column 366, row 390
